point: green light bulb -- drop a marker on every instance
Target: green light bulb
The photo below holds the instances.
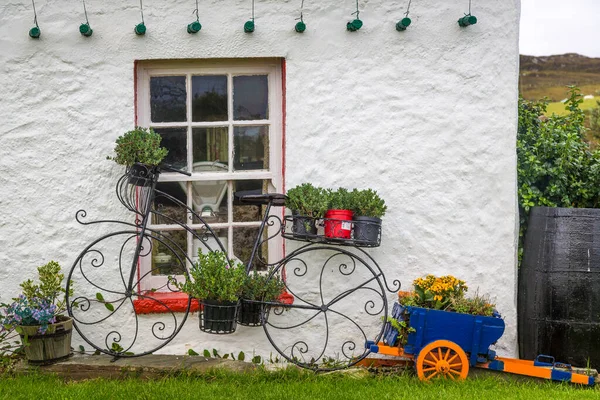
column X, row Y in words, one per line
column 354, row 25
column 403, row 24
column 194, row 27
column 140, row 29
column 300, row 27
column 35, row 32
column 249, row 27
column 467, row 20
column 85, row 29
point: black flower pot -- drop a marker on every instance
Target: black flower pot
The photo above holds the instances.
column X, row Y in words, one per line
column 367, row 230
column 303, row 226
column 139, row 175
column 249, row 314
column 218, row 317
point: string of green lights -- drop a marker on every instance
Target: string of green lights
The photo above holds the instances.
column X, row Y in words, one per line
column 249, row 26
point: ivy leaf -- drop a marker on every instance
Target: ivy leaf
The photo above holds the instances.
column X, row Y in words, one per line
column 191, row 352
column 100, row 297
column 81, row 349
column 109, row 307
column 241, row 356
column 206, row 353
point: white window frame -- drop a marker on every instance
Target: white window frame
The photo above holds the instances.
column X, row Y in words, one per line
column 270, row 67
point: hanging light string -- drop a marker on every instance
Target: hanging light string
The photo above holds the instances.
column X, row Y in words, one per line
column 407, row 8
column 142, row 11
column 301, row 12
column 85, row 12
column 34, row 14
column 252, row 10
column 197, row 12
column 356, row 12
column 469, row 8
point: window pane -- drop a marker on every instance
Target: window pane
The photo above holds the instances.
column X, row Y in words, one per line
column 209, row 199
column 167, row 210
column 175, row 140
column 244, row 212
column 168, row 253
column 250, row 97
column 210, row 149
column 209, row 98
column 251, row 147
column 243, row 242
column 205, row 239
column 167, row 99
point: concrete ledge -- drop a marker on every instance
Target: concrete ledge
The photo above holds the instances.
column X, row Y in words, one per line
column 80, row 367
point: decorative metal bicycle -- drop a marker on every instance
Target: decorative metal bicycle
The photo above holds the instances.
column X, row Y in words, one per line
column 339, row 291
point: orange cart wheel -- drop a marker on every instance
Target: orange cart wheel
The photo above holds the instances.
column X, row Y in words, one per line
column 442, row 358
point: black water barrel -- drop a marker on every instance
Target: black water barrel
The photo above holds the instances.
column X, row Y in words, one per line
column 559, row 286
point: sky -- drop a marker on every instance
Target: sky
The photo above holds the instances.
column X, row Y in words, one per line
column 560, row 26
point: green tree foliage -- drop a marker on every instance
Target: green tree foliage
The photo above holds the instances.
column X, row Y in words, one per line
column 556, row 167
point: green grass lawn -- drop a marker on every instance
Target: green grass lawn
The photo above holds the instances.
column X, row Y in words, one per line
column 289, row 384
column 559, row 108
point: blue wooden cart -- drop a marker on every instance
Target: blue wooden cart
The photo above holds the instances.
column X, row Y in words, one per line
column 444, row 343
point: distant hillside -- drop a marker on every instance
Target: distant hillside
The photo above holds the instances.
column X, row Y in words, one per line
column 548, row 75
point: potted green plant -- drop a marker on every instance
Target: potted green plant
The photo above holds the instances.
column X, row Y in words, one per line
column 307, row 203
column 36, row 315
column 338, row 218
column 139, row 150
column 217, row 283
column 258, row 288
column 368, row 209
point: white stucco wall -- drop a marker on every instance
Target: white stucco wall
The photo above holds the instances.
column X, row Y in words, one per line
column 427, row 117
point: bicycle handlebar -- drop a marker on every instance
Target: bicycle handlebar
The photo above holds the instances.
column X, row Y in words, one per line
column 166, row 167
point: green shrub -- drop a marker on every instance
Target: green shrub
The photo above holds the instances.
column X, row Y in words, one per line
column 307, row 200
column 556, row 167
column 367, row 203
column 341, row 199
column 214, row 279
column 140, row 145
column 259, row 287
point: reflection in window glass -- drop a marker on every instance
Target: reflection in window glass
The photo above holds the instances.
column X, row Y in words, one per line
column 168, row 253
column 207, row 241
column 209, row 98
column 243, row 242
column 209, row 200
column 167, row 99
column 244, row 212
column 166, row 209
column 175, row 140
column 250, row 97
column 210, row 144
column 251, row 147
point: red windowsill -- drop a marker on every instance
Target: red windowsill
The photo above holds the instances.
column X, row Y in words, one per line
column 177, row 302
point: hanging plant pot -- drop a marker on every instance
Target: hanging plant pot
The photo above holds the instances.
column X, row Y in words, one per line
column 338, row 224
column 249, row 314
column 303, row 226
column 367, row 230
column 139, row 175
column 52, row 346
column 218, row 317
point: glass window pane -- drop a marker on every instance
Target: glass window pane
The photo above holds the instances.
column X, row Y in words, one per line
column 209, row 98
column 204, row 240
column 166, row 208
column 210, row 149
column 250, row 97
column 251, row 147
column 209, row 200
column 168, row 253
column 243, row 243
column 175, row 140
column 244, row 212
column 167, row 99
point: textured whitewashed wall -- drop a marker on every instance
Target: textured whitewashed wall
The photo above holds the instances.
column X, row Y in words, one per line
column 427, row 117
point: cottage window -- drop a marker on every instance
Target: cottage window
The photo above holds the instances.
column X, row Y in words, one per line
column 221, row 121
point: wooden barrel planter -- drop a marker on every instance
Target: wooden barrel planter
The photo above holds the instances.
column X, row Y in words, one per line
column 54, row 345
column 559, row 286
